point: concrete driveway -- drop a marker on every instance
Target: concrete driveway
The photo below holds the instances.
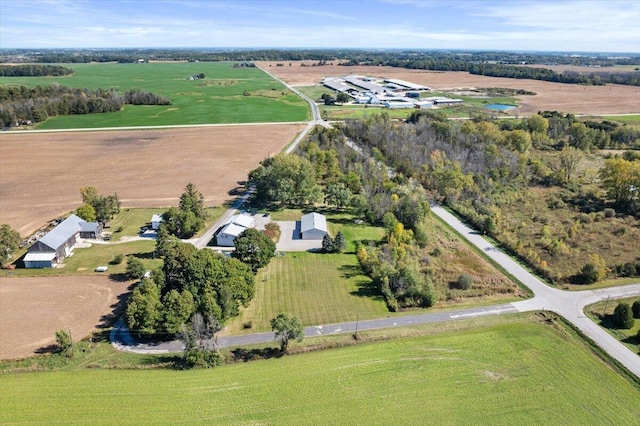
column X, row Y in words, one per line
column 290, row 239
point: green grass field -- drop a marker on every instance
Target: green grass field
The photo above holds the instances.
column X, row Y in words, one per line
column 317, row 288
column 601, row 313
column 517, row 372
column 219, row 98
column 628, row 119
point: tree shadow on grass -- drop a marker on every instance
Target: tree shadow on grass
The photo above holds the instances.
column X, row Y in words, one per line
column 366, row 288
column 246, row 355
column 148, row 255
column 350, row 271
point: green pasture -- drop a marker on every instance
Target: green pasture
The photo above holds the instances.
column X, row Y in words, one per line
column 518, row 372
column 226, row 95
column 602, row 312
column 317, row 288
column 628, row 119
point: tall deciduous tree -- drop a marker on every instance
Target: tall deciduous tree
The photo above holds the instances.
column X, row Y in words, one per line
column 285, row 180
column 9, row 240
column 287, row 328
column 621, row 179
column 253, row 248
column 86, row 212
column 569, row 159
column 144, row 310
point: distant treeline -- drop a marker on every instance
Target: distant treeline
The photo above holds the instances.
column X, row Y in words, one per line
column 494, row 64
column 21, row 104
column 34, row 70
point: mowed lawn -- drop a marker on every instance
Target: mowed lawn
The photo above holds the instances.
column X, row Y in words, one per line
column 317, row 288
column 518, row 373
column 226, row 95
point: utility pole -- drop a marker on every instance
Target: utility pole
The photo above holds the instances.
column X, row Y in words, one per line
column 605, row 306
column 71, row 339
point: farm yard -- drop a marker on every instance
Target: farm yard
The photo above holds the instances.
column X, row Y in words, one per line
column 42, row 173
column 33, row 308
column 573, row 98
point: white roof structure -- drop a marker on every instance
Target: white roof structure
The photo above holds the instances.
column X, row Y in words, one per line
column 232, row 229
column 313, row 221
column 406, row 84
column 336, row 84
column 156, row 218
column 61, row 233
column 39, row 257
column 242, row 220
column 360, row 82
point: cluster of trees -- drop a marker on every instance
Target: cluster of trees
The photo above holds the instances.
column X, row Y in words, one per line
column 395, row 269
column 97, row 207
column 36, row 104
column 253, row 248
column 477, row 167
column 340, row 98
column 334, row 245
column 9, row 241
column 624, row 314
column 34, row 70
column 189, row 217
column 191, row 281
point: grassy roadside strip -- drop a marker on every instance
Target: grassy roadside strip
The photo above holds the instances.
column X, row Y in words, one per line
column 601, row 313
column 601, row 354
column 482, row 254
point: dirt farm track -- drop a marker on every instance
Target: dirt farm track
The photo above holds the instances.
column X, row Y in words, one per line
column 568, row 98
column 41, row 173
column 32, row 309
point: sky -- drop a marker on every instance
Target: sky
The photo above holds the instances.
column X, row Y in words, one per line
column 518, row 25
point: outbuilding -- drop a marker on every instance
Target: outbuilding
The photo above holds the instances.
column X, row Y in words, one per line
column 313, row 226
column 55, row 245
column 156, row 219
column 228, row 233
column 90, row 230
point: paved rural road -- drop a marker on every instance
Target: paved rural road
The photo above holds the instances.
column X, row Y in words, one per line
column 570, row 305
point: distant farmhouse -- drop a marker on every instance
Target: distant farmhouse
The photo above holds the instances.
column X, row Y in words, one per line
column 390, row 93
column 236, row 226
column 57, row 244
column 156, row 220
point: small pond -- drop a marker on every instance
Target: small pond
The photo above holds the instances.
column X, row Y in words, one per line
column 500, row 107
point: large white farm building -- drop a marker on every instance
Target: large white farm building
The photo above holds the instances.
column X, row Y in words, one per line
column 387, row 92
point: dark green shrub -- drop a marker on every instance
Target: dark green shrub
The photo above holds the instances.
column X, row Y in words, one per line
column 608, row 212
column 117, row 259
column 202, row 358
column 622, row 316
column 635, row 309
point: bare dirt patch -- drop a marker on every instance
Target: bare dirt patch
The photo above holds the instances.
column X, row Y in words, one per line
column 568, row 98
column 33, row 308
column 41, row 173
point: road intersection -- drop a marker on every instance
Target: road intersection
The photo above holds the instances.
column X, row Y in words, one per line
column 569, row 305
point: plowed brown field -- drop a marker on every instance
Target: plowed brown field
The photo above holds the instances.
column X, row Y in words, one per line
column 41, row 173
column 568, row 98
column 32, row 309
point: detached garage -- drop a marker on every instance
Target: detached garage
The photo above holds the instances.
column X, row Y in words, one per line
column 313, row 226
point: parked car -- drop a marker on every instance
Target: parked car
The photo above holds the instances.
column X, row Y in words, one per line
column 101, row 269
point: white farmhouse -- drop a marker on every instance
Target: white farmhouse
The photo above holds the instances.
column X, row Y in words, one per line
column 155, row 221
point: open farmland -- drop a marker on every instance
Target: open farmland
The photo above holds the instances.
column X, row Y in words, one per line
column 572, row 98
column 33, row 308
column 225, row 95
column 517, row 372
column 42, row 173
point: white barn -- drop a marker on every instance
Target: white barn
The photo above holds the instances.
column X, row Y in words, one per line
column 233, row 228
column 156, row 219
column 313, row 226
column 228, row 233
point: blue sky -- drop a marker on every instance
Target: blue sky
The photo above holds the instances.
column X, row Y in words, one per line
column 560, row 25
